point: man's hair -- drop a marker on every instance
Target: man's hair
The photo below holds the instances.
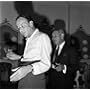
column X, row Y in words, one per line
column 29, row 18
column 22, row 16
column 59, row 24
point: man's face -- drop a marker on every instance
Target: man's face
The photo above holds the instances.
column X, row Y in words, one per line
column 23, row 26
column 58, row 37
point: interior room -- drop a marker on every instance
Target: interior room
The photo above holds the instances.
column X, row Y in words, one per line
column 76, row 15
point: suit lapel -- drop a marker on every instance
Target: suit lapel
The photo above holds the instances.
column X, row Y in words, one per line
column 62, row 57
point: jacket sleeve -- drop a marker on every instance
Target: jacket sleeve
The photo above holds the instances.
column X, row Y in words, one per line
column 73, row 61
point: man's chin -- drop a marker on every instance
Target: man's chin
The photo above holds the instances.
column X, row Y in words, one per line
column 56, row 43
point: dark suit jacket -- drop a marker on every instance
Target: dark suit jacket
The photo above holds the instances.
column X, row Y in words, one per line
column 68, row 56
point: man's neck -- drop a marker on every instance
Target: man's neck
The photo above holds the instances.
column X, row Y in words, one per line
column 32, row 31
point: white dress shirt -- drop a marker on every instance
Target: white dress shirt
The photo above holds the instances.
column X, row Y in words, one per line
column 38, row 47
column 61, row 47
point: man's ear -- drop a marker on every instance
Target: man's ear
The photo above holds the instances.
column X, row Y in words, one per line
column 31, row 23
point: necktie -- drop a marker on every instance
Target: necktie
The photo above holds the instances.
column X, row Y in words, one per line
column 55, row 54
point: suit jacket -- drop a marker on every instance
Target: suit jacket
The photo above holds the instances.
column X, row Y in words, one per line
column 68, row 57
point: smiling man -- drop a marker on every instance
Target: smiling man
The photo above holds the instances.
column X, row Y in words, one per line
column 64, row 62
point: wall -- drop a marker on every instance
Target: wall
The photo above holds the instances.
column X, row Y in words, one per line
column 80, row 15
column 53, row 10
column 0, row 12
column 74, row 13
column 8, row 11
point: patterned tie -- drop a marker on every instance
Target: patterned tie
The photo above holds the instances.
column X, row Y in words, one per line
column 55, row 54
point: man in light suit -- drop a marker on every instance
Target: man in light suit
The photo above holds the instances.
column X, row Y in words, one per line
column 64, row 63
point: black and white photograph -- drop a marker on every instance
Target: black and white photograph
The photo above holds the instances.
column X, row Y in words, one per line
column 44, row 44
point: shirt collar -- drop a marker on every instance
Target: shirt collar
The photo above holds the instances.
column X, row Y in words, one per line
column 36, row 30
column 61, row 45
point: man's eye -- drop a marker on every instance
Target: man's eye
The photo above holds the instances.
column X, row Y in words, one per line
column 22, row 27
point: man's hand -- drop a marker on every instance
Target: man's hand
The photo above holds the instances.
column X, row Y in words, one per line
column 20, row 73
column 59, row 68
column 13, row 56
column 53, row 66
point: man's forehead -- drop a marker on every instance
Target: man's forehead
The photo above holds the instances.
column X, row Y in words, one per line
column 61, row 31
column 55, row 32
column 21, row 20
